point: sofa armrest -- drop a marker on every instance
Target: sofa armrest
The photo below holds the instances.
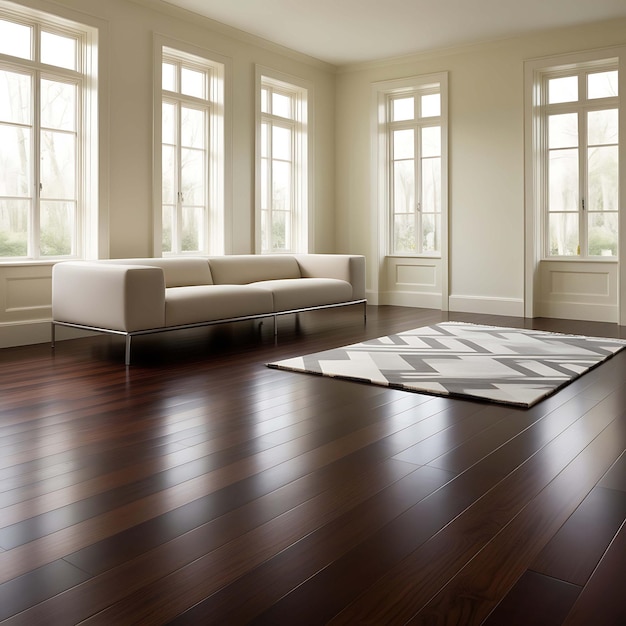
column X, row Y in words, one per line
column 113, row 297
column 348, row 267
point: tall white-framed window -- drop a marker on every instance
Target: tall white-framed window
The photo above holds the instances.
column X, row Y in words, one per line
column 283, row 164
column 412, row 163
column 576, row 123
column 48, row 136
column 190, row 154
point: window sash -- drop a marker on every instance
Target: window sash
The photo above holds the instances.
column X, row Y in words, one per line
column 190, row 162
column 282, row 171
column 52, row 220
column 415, row 228
column 572, row 225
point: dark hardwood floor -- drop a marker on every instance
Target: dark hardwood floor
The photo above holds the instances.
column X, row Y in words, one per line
column 198, row 486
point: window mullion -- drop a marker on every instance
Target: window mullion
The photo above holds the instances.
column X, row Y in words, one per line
column 583, row 195
column 417, row 169
column 178, row 220
column 33, row 243
column 270, row 184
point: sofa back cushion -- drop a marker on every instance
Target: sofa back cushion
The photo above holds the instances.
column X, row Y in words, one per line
column 178, row 272
column 242, row 269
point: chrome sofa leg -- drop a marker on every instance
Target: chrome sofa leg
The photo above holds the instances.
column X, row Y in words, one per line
column 127, row 355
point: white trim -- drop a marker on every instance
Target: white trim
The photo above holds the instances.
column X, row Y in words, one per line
column 379, row 191
column 533, row 69
column 304, row 237
column 220, row 179
column 415, row 299
column 578, row 311
column 487, row 305
column 91, row 231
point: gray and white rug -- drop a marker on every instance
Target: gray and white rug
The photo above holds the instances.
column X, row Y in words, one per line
column 505, row 365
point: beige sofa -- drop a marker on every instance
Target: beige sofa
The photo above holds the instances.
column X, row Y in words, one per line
column 133, row 297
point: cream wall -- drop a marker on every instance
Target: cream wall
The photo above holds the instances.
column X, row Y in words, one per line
column 127, row 28
column 486, row 161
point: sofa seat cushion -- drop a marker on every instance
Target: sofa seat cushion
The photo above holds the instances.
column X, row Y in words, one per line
column 300, row 293
column 208, row 303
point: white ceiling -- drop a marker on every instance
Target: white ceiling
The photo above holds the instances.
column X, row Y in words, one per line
column 352, row 31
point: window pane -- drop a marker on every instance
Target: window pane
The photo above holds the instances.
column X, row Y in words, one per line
column 404, row 234
column 192, row 128
column 193, row 227
column 281, row 186
column 603, row 179
column 168, row 121
column 15, row 156
column 430, row 233
column 58, row 105
column 265, row 198
column 193, row 83
column 431, row 185
column 281, row 143
column 403, row 109
column 265, row 129
column 168, row 174
column 431, row 141
column 192, row 177
column 14, row 227
column 563, row 180
column 404, row 187
column 265, row 101
column 15, row 40
column 57, row 228
column 563, row 131
column 58, row 165
column 167, row 228
column 431, row 105
column 15, row 97
column 602, row 85
column 265, row 241
column 602, row 127
column 168, row 76
column 281, row 105
column 403, row 144
column 563, row 229
column 563, row 89
column 58, row 50
column 280, row 231
column 602, row 234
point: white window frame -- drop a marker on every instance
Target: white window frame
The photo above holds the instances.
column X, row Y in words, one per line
column 301, row 124
column 541, row 113
column 89, row 236
column 383, row 127
column 534, row 69
column 216, row 154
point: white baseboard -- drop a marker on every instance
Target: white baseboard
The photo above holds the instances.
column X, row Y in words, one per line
column 462, row 304
column 513, row 307
column 578, row 311
column 410, row 299
column 34, row 331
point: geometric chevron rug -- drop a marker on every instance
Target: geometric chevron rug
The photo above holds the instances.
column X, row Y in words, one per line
column 472, row 361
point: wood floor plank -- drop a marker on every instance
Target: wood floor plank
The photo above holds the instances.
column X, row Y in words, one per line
column 412, row 582
column 535, row 599
column 199, row 486
column 575, row 550
column 469, row 598
column 602, row 599
column 75, row 536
